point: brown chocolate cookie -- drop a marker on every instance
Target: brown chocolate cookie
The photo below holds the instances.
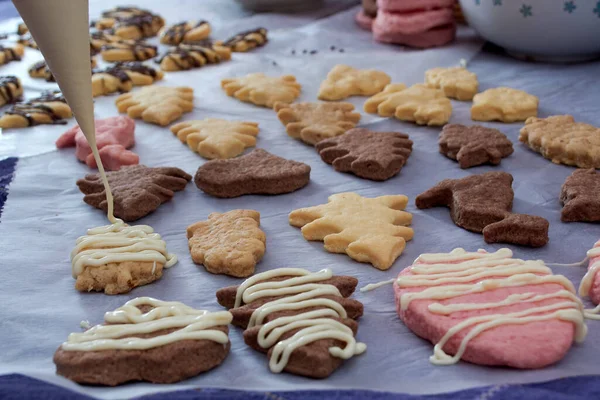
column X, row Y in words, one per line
column 365, row 153
column 137, row 190
column 370, row 7
column 474, row 145
column 313, row 358
column 580, row 196
column 168, row 363
column 483, row 203
column 258, row 172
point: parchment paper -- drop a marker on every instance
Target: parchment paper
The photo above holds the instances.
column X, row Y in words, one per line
column 45, row 212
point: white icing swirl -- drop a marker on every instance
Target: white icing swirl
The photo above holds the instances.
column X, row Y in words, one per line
column 588, row 280
column 117, row 243
column 302, row 290
column 128, row 321
column 460, row 273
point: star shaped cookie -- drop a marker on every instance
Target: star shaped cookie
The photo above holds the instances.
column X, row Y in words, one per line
column 371, row 230
column 456, row 83
column 580, row 196
column 504, row 104
column 563, row 141
column 159, row 105
column 217, row 138
column 344, row 81
column 474, row 145
column 419, row 103
column 262, row 90
column 313, row 122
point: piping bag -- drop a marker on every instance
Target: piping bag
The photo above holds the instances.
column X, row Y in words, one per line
column 61, row 30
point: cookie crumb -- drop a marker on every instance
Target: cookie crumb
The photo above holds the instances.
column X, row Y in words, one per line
column 463, row 62
column 293, row 51
column 274, row 63
column 332, row 48
column 85, row 324
column 304, row 51
column 341, row 50
column 313, row 52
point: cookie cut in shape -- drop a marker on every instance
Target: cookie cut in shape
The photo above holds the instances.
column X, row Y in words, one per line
column 247, row 40
column 500, row 310
column 300, row 319
column 504, row 104
column 136, row 347
column 127, row 50
column 185, row 31
column 261, row 89
column 158, row 105
column 217, row 138
column 483, row 203
column 365, row 153
column 258, row 172
column 50, row 108
column 137, row 190
column 11, row 53
column 344, row 81
column 188, row 56
column 474, row 145
column 580, row 196
column 590, row 283
column 563, row 141
column 230, row 243
column 313, row 122
column 11, row 89
column 370, row 230
column 456, row 82
column 419, row 103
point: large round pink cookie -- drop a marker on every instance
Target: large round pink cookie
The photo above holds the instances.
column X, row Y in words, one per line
column 412, row 23
column 363, row 20
column 433, row 38
column 113, row 157
column 411, row 5
column 529, row 345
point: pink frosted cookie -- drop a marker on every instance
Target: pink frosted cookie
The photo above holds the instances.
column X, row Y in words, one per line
column 433, row 38
column 489, row 308
column 115, row 131
column 363, row 20
column 590, row 284
column 412, row 5
column 414, row 22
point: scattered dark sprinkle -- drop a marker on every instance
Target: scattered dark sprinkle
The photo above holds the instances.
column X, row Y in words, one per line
column 293, row 51
column 304, row 51
column 341, row 50
column 332, row 48
column 313, row 52
column 274, row 63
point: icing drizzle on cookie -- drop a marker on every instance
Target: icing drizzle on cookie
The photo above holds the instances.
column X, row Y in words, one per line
column 458, row 273
column 302, row 290
column 117, row 243
column 126, row 323
column 588, row 279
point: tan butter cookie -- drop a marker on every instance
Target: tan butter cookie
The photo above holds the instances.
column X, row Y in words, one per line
column 8, row 54
column 457, row 82
column 313, row 122
column 563, row 141
column 40, row 70
column 262, row 90
column 247, row 40
column 419, row 103
column 189, row 31
column 11, row 89
column 127, row 50
column 188, row 56
column 372, row 230
column 110, row 80
column 230, row 243
column 504, row 104
column 116, row 278
column 101, row 38
column 217, row 138
column 28, row 41
column 48, row 109
column 159, row 105
column 344, row 81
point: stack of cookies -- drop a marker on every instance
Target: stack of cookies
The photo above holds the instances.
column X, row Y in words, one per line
column 415, row 23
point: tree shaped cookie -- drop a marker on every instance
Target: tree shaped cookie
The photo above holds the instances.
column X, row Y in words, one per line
column 419, row 103
column 231, row 243
column 365, row 153
column 313, row 122
column 217, row 138
column 344, row 81
column 368, row 230
column 563, row 141
column 158, row 105
column 137, row 190
column 504, row 104
column 188, row 56
column 456, row 83
column 474, row 145
column 258, row 172
column 483, row 203
column 262, row 90
column 580, row 196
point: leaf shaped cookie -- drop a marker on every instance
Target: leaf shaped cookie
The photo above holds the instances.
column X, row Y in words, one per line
column 457, row 82
column 580, row 196
column 504, row 104
column 261, row 89
column 474, row 145
column 344, row 81
column 159, row 105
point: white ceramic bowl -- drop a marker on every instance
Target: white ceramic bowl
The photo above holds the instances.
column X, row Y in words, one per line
column 544, row 30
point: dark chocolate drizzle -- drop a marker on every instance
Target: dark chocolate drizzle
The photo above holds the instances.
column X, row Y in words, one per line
column 124, row 12
column 115, row 71
column 27, row 40
column 10, row 54
column 38, row 106
column 182, row 56
column 138, row 67
column 141, row 51
column 246, row 37
column 8, row 86
column 48, row 96
column 176, row 32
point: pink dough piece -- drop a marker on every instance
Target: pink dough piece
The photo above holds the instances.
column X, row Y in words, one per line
column 432, row 38
column 113, row 157
column 595, row 289
column 363, row 20
column 412, row 5
column 530, row 345
column 412, row 23
column 113, row 130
